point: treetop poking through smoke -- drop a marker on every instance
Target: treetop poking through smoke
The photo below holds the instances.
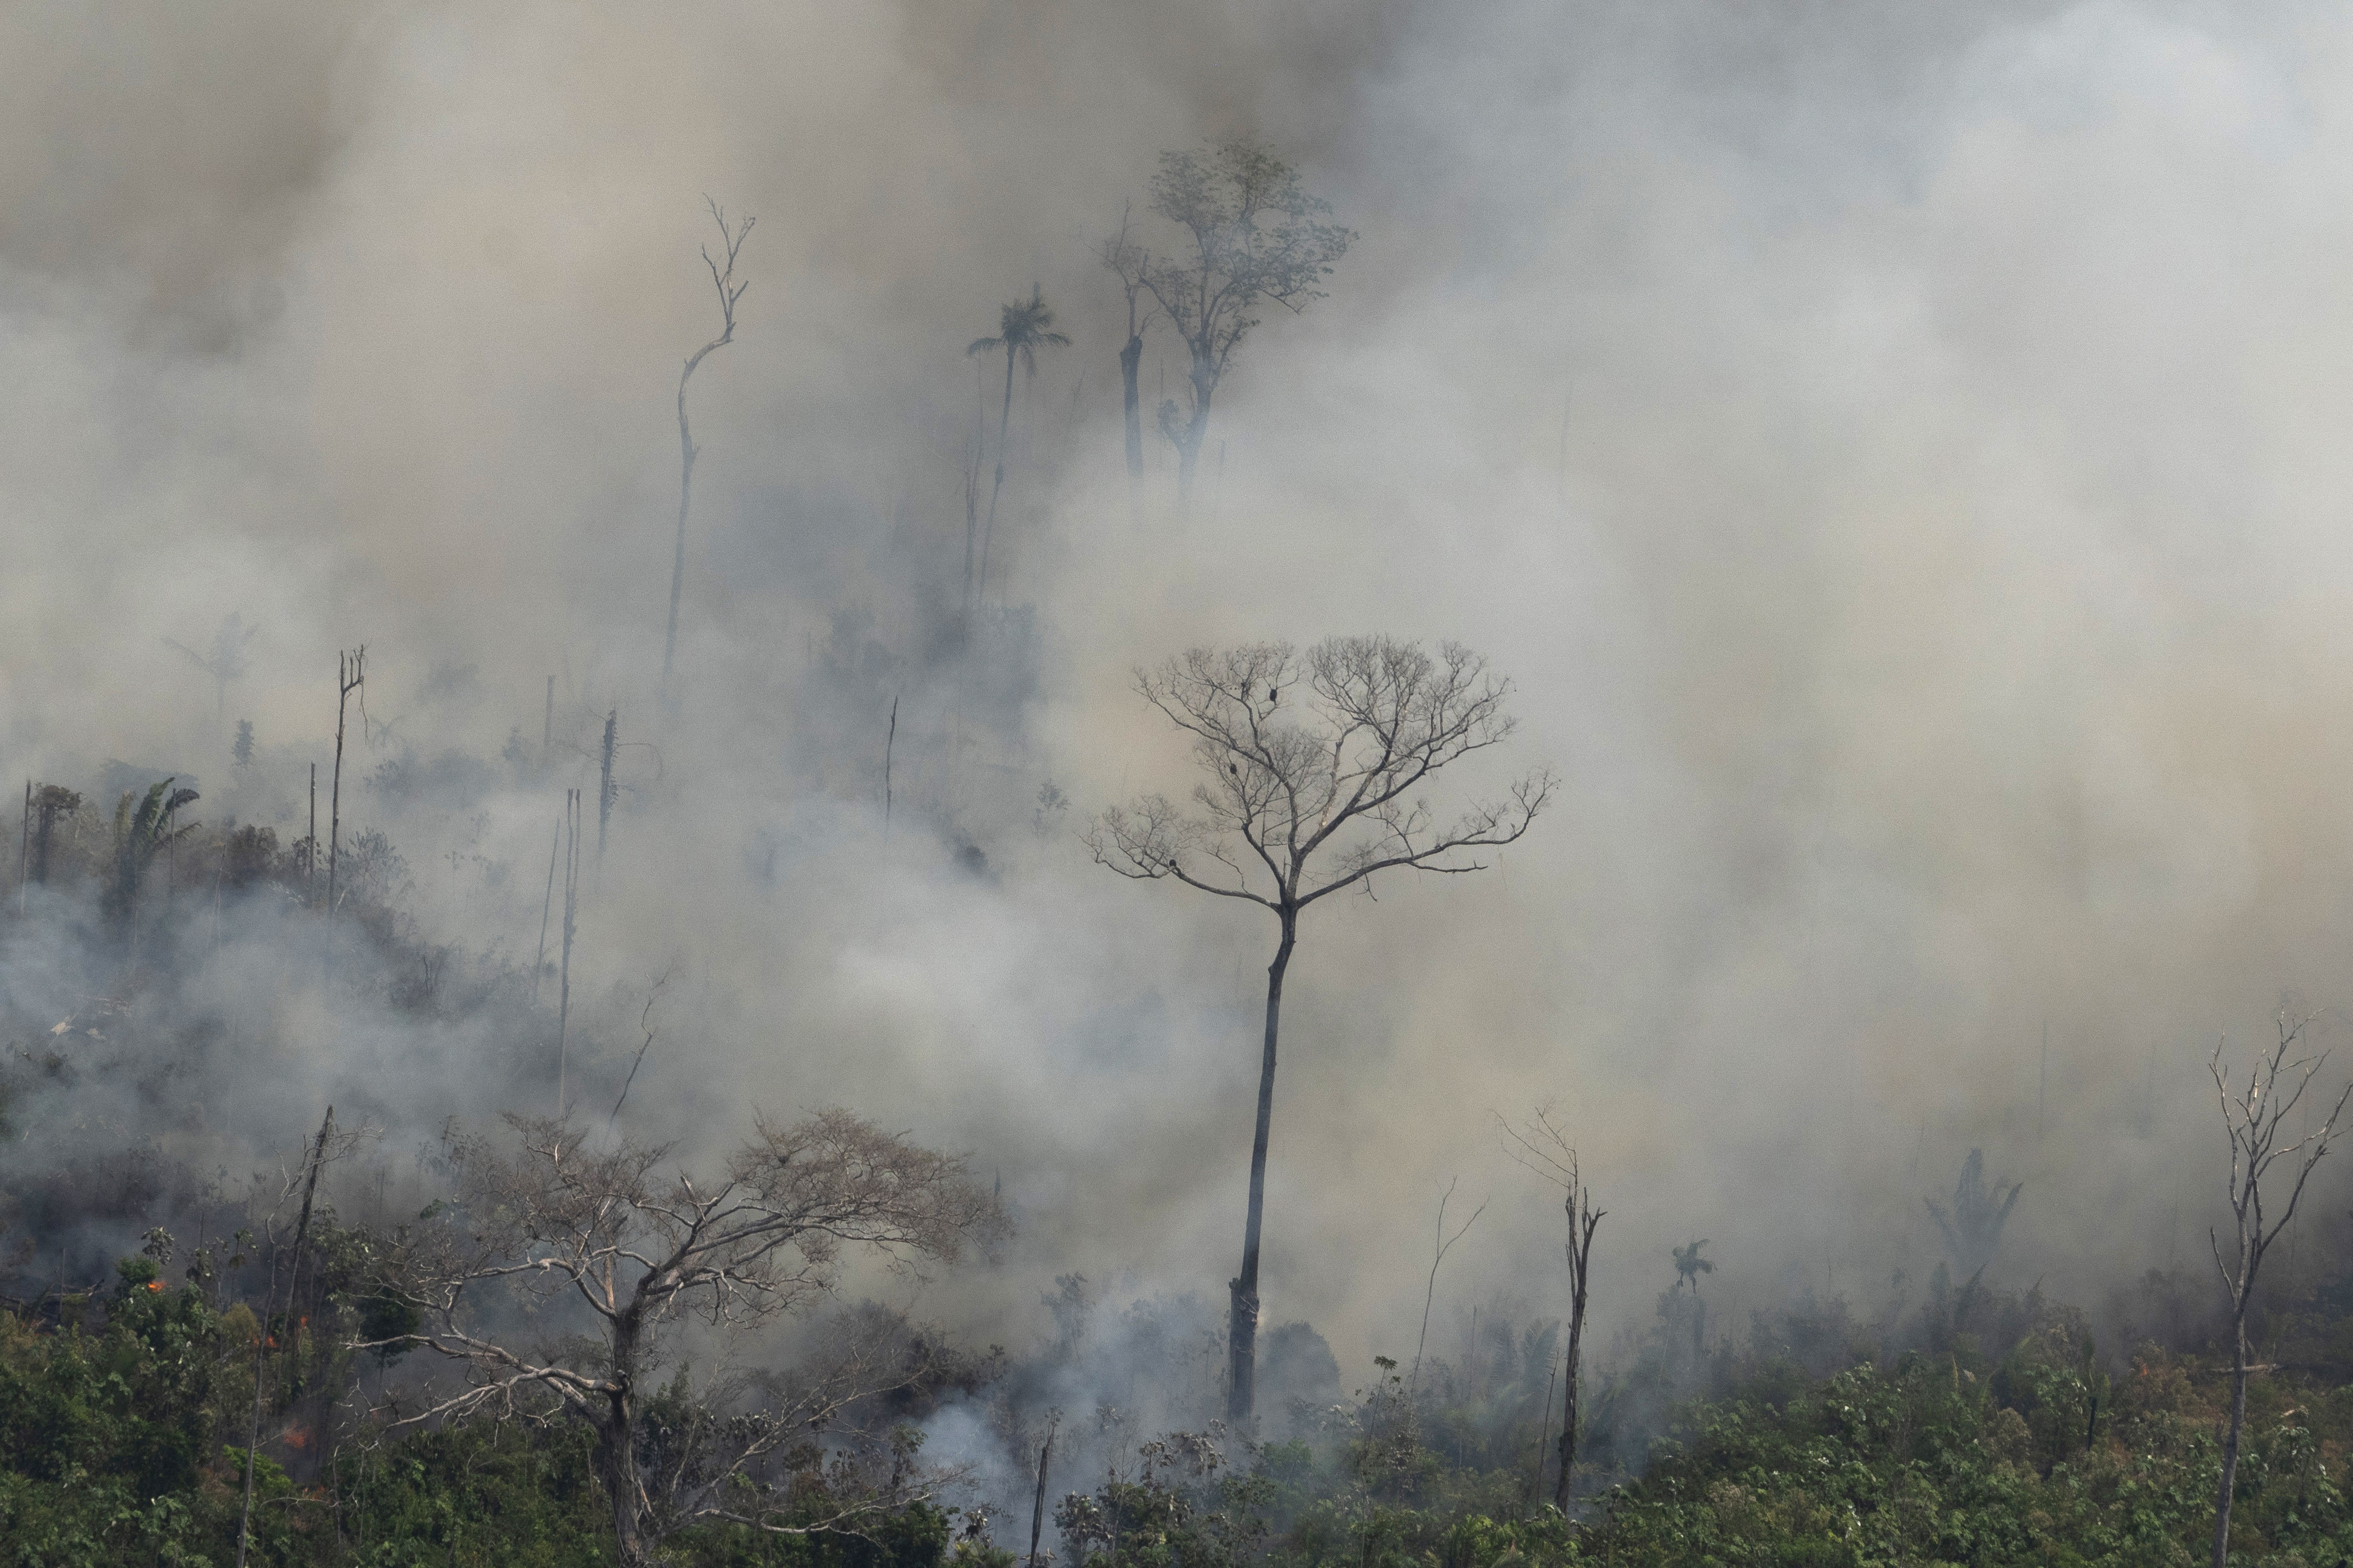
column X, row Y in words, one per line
column 1332, row 772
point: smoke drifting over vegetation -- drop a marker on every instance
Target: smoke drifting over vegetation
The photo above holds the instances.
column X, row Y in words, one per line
column 1897, row 458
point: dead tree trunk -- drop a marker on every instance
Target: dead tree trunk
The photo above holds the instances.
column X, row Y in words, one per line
column 722, row 278
column 1241, row 1330
column 997, row 488
column 617, row 1439
column 1582, row 1219
column 605, row 785
column 1131, row 360
column 2255, row 1118
column 1038, row 1513
column 571, row 905
column 351, row 675
column 547, row 904
column 1544, row 1149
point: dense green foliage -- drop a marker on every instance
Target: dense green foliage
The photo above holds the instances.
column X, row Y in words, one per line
column 120, row 1446
column 121, row 1431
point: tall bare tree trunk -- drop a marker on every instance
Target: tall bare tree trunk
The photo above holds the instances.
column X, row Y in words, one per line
column 988, row 532
column 351, row 675
column 605, row 785
column 1242, row 1331
column 1569, row 1400
column 1188, row 451
column 686, row 455
column 564, row 977
column 2230, row 1438
column 1131, row 361
column 1037, row 1514
column 617, row 1441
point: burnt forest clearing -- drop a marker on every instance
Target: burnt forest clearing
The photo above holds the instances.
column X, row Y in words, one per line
column 1367, row 787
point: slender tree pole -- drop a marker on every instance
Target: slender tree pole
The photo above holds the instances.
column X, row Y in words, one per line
column 310, row 850
column 351, row 675
column 1444, row 1244
column 723, row 280
column 571, row 907
column 605, row 792
column 25, row 849
column 1131, row 262
column 1544, row 1432
column 1023, row 327
column 261, row 1332
column 554, row 843
column 1301, row 801
column 1038, row 1513
column 2255, row 1118
column 890, row 740
column 1546, row 1150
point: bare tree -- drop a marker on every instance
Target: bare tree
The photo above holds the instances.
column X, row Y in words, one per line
column 723, row 280
column 607, row 792
column 1544, row 1149
column 1131, row 261
column 1023, row 327
column 571, row 929
column 351, row 675
column 1252, row 238
column 622, row 1241
column 1312, row 765
column 2255, row 1118
column 1441, row 1245
column 314, row 1154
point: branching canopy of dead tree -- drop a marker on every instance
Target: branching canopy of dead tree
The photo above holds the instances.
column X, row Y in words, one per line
column 1325, row 753
column 619, row 1240
column 2255, row 1113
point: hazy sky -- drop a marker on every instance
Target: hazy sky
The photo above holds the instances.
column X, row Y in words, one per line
column 1898, row 453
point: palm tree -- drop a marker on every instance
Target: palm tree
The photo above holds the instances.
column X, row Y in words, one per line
column 225, row 662
column 1689, row 1266
column 141, row 833
column 1022, row 329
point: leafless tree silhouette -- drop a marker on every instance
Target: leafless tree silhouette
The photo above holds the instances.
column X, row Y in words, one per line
column 622, row 1234
column 2255, row 1118
column 1543, row 1147
column 724, row 282
column 1313, row 762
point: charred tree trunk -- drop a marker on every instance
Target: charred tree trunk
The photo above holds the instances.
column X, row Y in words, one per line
column 1582, row 1221
column 1568, row 1406
column 988, row 529
column 564, row 975
column 1242, row 1331
column 2230, row 1437
column 351, row 675
column 687, row 452
column 1037, row 1514
column 616, row 1443
column 604, row 793
column 1195, row 431
column 1131, row 361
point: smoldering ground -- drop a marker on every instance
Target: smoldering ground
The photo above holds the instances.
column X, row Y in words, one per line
column 1897, row 458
